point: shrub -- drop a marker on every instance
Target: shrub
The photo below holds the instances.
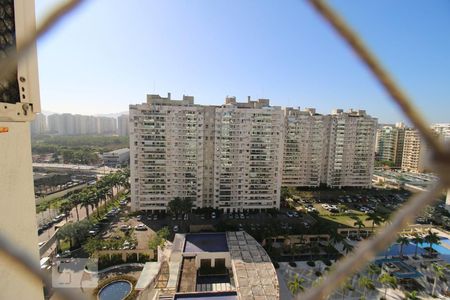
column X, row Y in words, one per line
column 327, row 262
column 318, row 273
column 311, row 263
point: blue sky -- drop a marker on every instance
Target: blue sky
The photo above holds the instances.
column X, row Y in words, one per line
column 109, row 53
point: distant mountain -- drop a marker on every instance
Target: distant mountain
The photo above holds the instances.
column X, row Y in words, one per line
column 112, row 115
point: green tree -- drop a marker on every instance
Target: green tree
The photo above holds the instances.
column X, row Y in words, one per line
column 375, row 218
column 438, row 271
column 358, row 223
column 175, row 206
column 403, row 241
column 417, row 240
column 411, row 295
column 366, row 283
column 346, row 246
column 296, row 284
column 432, row 238
column 387, row 281
column 347, row 286
column 373, row 270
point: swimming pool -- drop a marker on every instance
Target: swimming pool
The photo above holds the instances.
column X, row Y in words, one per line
column 410, row 249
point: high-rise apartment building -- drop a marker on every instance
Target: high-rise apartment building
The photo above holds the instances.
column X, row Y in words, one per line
column 442, row 130
column 389, row 146
column 303, row 147
column 68, row 124
column 122, row 125
column 414, row 152
column 226, row 157
column 166, row 152
column 235, row 156
column 248, row 155
column 350, row 144
column 38, row 125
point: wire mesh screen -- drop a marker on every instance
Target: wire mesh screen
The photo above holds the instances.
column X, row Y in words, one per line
column 9, row 87
column 366, row 250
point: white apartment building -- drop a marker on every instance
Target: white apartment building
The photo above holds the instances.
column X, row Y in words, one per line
column 68, row 124
column 227, row 157
column 303, row 147
column 248, row 155
column 350, row 144
column 443, row 130
column 166, row 152
column 235, row 157
column 389, row 145
column 122, row 125
column 414, row 152
column 38, row 125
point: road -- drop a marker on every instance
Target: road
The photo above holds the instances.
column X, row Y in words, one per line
column 71, row 218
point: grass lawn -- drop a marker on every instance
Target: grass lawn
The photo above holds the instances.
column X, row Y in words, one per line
column 64, row 245
column 347, row 220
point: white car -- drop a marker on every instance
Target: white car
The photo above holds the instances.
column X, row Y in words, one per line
column 326, row 206
column 140, row 227
column 175, row 228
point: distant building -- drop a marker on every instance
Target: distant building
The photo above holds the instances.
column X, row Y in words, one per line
column 390, row 140
column 443, row 131
column 119, row 157
column 68, row 124
column 39, row 125
column 414, row 152
column 123, row 125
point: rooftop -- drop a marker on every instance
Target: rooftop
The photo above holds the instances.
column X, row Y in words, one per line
column 118, row 151
column 206, row 242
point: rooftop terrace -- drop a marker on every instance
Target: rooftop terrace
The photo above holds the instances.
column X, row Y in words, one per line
column 206, row 242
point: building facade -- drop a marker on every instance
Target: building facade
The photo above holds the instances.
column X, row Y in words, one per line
column 303, row 147
column 68, row 124
column 38, row 125
column 349, row 150
column 414, row 152
column 236, row 156
column 389, row 145
column 248, row 155
column 122, row 125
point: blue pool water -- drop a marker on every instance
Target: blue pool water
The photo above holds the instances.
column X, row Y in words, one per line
column 411, row 248
column 116, row 290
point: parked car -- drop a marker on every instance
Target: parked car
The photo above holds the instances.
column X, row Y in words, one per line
column 175, row 228
column 140, row 227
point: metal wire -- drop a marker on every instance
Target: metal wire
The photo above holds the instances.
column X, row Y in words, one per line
column 8, row 65
column 381, row 75
column 29, row 265
column 366, row 250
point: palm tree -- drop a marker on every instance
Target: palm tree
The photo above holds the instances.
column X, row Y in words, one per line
column 346, row 246
column 411, row 295
column 387, row 281
column 358, row 223
column 417, row 240
column 366, row 283
column 375, row 218
column 438, row 271
column 295, row 285
column 85, row 201
column 374, row 270
column 402, row 240
column 432, row 238
column 65, row 207
column 75, row 200
column 347, row 286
